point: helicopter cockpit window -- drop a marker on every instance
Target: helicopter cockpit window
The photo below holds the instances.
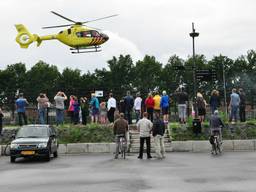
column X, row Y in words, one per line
column 84, row 34
column 69, row 31
column 95, row 34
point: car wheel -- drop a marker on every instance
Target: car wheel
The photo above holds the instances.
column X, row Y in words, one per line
column 12, row 159
column 55, row 154
column 48, row 156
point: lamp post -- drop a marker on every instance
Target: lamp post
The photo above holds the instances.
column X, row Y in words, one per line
column 193, row 35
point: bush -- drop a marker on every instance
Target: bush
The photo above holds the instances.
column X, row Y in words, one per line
column 91, row 133
column 230, row 131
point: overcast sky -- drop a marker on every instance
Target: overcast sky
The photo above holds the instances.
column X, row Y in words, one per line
column 155, row 27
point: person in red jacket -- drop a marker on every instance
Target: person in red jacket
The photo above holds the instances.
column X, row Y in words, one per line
column 149, row 103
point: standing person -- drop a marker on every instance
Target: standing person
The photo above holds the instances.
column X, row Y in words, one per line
column 242, row 105
column 21, row 103
column 95, row 106
column 137, row 106
column 76, row 107
column 43, row 103
column 59, row 99
column 103, row 112
column 1, row 121
column 144, row 126
column 214, row 100
column 182, row 100
column 164, row 104
column 201, row 106
column 149, row 102
column 234, row 105
column 128, row 104
column 71, row 108
column 84, row 109
column 157, row 101
column 111, row 108
column 158, row 134
column 120, row 129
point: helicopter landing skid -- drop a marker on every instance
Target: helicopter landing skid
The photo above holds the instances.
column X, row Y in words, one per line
column 86, row 50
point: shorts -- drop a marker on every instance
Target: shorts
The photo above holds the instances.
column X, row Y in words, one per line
column 165, row 110
column 201, row 111
column 182, row 109
column 95, row 111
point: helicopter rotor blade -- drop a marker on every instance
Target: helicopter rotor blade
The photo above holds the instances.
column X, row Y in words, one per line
column 57, row 26
column 99, row 19
column 63, row 17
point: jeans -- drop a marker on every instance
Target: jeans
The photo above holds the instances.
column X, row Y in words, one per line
column 42, row 114
column 242, row 113
column 128, row 116
column 150, row 114
column 142, row 140
column 233, row 114
column 20, row 116
column 159, row 146
column 111, row 113
column 137, row 112
column 59, row 116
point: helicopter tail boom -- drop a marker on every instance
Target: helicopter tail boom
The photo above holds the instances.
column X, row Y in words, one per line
column 25, row 38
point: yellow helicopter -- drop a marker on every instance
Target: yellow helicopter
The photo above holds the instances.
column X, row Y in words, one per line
column 79, row 37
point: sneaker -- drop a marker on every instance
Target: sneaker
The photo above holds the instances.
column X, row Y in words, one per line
column 139, row 157
column 149, row 157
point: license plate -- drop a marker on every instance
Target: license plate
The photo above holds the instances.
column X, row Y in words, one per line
column 27, row 152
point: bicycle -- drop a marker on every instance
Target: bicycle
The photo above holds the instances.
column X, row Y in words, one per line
column 122, row 146
column 216, row 144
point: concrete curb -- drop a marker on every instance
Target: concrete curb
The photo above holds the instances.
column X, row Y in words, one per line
column 176, row 146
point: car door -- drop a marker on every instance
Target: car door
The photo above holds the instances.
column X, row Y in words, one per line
column 53, row 138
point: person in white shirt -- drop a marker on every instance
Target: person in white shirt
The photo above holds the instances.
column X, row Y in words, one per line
column 144, row 126
column 111, row 108
column 137, row 106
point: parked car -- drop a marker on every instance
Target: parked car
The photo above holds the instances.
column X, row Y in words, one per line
column 34, row 141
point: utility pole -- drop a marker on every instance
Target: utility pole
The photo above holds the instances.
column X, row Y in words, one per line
column 193, row 35
column 225, row 92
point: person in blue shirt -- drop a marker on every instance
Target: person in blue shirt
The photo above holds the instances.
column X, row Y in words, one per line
column 21, row 103
column 164, row 104
column 234, row 105
column 95, row 106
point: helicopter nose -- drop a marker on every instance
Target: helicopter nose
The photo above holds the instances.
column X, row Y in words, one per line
column 105, row 37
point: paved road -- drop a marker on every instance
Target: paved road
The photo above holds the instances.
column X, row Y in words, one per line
column 179, row 172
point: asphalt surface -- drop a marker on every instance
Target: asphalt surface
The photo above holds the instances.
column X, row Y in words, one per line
column 181, row 172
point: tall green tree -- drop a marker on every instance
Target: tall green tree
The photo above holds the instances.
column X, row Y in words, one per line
column 42, row 77
column 148, row 74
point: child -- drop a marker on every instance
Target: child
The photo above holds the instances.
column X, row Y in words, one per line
column 1, row 121
column 103, row 113
column 76, row 107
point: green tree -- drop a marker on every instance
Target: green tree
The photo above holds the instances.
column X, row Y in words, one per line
column 121, row 76
column 148, row 74
column 42, row 77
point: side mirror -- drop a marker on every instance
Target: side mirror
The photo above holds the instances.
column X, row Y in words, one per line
column 13, row 136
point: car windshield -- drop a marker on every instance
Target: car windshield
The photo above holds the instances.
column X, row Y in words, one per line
column 32, row 132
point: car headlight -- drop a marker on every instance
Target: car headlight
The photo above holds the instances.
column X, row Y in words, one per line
column 14, row 146
column 42, row 145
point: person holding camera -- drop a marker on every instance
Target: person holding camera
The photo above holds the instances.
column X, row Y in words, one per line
column 59, row 104
column 43, row 104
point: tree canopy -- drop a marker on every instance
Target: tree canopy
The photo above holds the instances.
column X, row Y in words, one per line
column 124, row 74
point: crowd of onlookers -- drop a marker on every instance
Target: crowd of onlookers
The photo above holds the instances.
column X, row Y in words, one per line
column 103, row 112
